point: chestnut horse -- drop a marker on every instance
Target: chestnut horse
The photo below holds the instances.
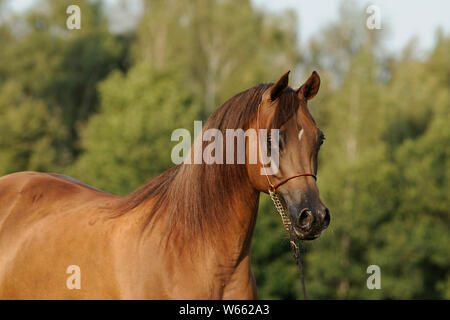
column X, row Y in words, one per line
column 184, row 235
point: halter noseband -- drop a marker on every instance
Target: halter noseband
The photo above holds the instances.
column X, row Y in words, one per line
column 276, row 186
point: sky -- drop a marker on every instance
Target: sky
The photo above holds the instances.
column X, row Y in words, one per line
column 404, row 19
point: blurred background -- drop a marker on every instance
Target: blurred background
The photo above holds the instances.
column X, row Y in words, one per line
column 100, row 103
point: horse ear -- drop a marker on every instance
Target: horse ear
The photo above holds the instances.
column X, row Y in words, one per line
column 275, row 91
column 310, row 88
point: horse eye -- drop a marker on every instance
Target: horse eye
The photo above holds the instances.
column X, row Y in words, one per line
column 281, row 140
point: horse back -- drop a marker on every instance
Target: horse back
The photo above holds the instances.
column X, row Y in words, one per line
column 42, row 193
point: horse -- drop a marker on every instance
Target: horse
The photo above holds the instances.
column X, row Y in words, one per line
column 185, row 234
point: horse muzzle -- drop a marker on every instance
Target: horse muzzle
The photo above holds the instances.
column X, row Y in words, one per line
column 308, row 224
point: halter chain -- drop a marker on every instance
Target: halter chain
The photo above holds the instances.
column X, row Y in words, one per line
column 280, row 208
column 294, row 241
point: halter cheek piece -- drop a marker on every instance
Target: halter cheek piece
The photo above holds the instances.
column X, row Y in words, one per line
column 294, row 241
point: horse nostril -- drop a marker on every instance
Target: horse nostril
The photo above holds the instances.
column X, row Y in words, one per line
column 305, row 219
column 326, row 218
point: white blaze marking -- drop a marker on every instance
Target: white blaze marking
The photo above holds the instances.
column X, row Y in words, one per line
column 300, row 134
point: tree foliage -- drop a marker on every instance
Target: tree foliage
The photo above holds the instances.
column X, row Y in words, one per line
column 128, row 141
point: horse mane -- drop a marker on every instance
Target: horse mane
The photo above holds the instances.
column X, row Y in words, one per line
column 199, row 197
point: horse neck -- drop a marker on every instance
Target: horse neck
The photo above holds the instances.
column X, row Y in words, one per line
column 225, row 202
column 205, row 206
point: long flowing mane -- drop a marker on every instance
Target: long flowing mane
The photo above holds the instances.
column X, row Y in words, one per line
column 199, row 197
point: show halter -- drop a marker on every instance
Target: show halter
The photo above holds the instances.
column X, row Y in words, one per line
column 294, row 241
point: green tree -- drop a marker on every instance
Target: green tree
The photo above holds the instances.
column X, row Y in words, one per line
column 128, row 141
column 226, row 46
column 60, row 67
column 28, row 132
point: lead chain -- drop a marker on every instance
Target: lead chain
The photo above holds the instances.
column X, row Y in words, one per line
column 281, row 210
column 293, row 242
